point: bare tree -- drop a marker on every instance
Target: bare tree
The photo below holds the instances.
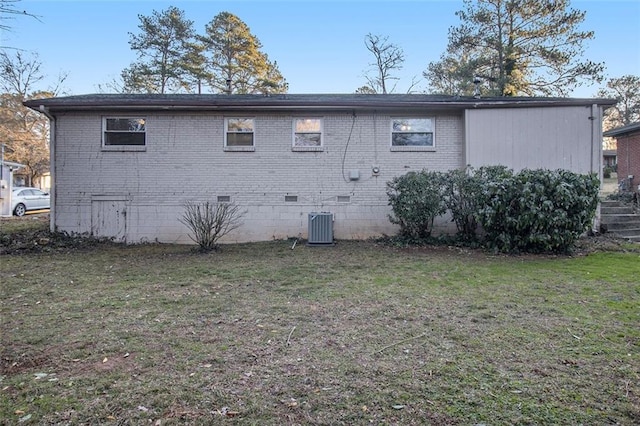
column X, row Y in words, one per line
column 9, row 11
column 24, row 131
column 626, row 90
column 388, row 57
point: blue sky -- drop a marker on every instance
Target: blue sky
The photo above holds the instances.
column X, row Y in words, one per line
column 319, row 45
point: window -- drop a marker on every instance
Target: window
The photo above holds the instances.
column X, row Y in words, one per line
column 412, row 133
column 238, row 134
column 124, row 131
column 307, row 134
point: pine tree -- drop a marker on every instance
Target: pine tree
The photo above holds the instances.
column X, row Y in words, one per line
column 163, row 45
column 234, row 61
column 516, row 47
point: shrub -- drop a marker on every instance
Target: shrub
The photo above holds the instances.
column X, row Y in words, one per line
column 209, row 222
column 531, row 211
column 416, row 198
column 461, row 194
column 537, row 210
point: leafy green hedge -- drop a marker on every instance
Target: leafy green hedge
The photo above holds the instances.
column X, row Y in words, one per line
column 530, row 211
column 537, row 210
column 416, row 198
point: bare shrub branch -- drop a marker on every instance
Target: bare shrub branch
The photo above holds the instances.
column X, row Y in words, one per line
column 208, row 222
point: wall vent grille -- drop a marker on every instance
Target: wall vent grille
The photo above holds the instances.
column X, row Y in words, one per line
column 320, row 229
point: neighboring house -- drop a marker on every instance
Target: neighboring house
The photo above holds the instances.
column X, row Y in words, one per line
column 628, row 140
column 609, row 158
column 124, row 165
column 21, row 178
column 7, row 169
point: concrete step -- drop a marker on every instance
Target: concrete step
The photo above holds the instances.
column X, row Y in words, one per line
column 619, row 218
column 632, row 238
column 612, row 203
column 620, row 226
column 630, row 232
column 606, row 210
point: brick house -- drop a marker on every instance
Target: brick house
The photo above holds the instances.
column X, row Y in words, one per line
column 628, row 140
column 124, row 165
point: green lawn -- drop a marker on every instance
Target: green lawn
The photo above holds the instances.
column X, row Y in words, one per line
column 359, row 333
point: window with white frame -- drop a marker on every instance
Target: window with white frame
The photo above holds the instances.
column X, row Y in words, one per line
column 412, row 133
column 239, row 132
column 307, row 134
column 124, row 131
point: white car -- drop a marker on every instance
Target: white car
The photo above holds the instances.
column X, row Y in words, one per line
column 26, row 199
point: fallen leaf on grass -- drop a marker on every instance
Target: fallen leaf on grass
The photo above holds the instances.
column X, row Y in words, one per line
column 24, row 419
column 18, row 412
column 225, row 411
column 143, row 408
column 570, row 362
column 290, row 403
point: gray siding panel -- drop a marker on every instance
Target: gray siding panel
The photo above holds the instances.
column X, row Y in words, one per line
column 550, row 138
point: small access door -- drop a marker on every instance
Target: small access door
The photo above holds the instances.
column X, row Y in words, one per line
column 109, row 219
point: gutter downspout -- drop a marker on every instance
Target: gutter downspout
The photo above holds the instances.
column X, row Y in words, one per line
column 596, row 153
column 52, row 164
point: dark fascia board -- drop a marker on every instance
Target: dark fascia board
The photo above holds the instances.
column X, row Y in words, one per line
column 210, row 102
column 623, row 131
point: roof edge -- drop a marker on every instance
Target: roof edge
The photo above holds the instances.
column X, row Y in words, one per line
column 295, row 101
column 619, row 131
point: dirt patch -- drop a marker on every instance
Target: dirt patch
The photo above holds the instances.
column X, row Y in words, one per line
column 15, row 360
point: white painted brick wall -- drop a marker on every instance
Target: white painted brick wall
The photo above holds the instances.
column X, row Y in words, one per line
column 185, row 160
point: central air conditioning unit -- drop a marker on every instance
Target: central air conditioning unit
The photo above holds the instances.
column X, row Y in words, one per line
column 320, row 229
